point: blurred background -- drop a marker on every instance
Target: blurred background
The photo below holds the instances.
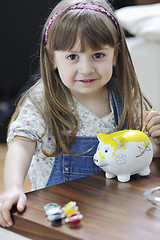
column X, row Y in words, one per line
column 21, row 25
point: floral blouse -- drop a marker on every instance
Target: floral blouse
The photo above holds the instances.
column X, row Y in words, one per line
column 30, row 124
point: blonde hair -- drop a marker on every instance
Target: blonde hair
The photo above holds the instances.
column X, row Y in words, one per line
column 94, row 29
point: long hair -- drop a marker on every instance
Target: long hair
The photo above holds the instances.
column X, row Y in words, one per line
column 94, row 29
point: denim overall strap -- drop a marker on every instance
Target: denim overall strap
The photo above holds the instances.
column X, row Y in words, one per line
column 68, row 167
column 117, row 105
column 116, row 102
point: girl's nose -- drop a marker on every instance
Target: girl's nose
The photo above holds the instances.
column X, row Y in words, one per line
column 86, row 67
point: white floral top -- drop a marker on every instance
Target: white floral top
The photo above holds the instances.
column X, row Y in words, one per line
column 31, row 124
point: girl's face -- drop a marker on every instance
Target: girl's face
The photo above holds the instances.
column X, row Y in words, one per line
column 85, row 72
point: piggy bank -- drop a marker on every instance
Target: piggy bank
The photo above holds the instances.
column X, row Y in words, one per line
column 123, row 154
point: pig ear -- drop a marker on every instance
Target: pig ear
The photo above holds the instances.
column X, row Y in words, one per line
column 99, row 139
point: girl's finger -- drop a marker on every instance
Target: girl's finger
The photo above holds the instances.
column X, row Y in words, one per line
column 153, row 124
column 6, row 213
column 21, row 202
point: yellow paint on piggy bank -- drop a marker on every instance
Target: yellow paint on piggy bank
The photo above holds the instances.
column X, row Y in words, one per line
column 123, row 154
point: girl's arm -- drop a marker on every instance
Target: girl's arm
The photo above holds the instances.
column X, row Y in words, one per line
column 152, row 121
column 17, row 162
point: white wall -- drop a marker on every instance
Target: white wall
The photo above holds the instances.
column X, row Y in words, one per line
column 146, row 59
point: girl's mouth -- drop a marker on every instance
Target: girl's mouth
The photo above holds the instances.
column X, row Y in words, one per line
column 87, row 81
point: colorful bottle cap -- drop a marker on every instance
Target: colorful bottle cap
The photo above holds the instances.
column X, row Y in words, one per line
column 70, row 205
column 56, row 219
column 71, row 211
column 55, row 214
column 74, row 220
column 50, row 205
column 53, row 211
column 52, row 208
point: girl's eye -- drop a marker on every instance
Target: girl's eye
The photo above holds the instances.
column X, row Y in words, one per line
column 98, row 55
column 72, row 57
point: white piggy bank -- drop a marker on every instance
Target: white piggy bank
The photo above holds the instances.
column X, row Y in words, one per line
column 123, row 154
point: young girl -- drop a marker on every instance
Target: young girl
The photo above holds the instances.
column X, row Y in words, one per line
column 88, row 85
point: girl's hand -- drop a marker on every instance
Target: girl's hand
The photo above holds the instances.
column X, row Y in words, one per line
column 152, row 122
column 10, row 197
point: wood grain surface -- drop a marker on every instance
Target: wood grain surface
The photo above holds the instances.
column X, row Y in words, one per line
column 111, row 210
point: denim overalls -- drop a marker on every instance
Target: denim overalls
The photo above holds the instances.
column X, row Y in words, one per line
column 69, row 167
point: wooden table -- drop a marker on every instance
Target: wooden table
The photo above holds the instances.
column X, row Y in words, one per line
column 111, row 210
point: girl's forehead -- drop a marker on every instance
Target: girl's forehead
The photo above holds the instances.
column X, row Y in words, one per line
column 77, row 47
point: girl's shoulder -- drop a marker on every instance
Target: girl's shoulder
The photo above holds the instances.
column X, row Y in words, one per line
column 37, row 91
column 34, row 96
column 29, row 120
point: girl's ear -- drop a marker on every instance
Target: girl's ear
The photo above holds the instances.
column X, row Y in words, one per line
column 54, row 63
column 114, row 61
column 54, row 67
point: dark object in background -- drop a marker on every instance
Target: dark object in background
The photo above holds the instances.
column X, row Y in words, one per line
column 121, row 3
column 8, row 105
column 21, row 25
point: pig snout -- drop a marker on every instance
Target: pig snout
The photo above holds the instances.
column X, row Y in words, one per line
column 95, row 158
column 98, row 160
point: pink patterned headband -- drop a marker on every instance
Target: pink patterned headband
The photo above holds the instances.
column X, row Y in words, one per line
column 82, row 6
